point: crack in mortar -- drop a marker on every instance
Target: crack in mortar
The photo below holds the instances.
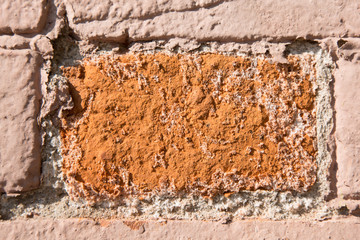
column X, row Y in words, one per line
column 51, row 200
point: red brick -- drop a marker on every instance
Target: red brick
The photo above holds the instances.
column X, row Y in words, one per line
column 191, row 134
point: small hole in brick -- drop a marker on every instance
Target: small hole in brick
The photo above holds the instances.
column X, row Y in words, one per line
column 341, row 42
column 343, row 210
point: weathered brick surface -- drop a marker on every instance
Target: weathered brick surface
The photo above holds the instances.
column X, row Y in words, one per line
column 347, row 87
column 21, row 16
column 22, row 24
column 19, row 104
column 214, row 19
column 118, row 229
column 14, row 42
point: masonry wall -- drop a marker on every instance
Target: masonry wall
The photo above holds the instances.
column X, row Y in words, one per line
column 67, row 65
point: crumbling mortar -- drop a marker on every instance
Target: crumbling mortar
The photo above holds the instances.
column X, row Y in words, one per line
column 55, row 202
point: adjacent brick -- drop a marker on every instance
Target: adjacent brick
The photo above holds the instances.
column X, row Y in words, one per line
column 19, row 104
column 21, row 16
column 347, row 88
column 214, row 20
column 118, row 229
column 14, row 42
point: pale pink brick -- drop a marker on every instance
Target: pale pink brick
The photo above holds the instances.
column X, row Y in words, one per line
column 239, row 20
column 347, row 106
column 22, row 16
column 41, row 228
column 19, row 104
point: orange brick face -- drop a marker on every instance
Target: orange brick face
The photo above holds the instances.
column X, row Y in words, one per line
column 200, row 124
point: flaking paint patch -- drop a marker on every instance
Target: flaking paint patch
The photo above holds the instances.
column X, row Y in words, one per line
column 200, row 124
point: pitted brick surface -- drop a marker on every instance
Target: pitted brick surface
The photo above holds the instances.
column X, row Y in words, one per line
column 22, row 16
column 214, row 20
column 19, row 104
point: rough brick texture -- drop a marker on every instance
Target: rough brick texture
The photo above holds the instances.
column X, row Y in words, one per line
column 59, row 32
column 214, row 19
column 19, row 104
column 21, row 16
column 192, row 134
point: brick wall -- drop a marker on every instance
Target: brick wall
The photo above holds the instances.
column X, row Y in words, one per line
column 156, row 119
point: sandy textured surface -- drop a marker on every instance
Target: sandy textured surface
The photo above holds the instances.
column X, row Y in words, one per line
column 201, row 123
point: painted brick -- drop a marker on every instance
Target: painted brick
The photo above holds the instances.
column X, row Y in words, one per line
column 19, row 103
column 214, row 19
column 121, row 229
column 347, row 87
column 21, row 16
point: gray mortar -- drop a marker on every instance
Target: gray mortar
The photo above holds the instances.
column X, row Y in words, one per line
column 52, row 200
